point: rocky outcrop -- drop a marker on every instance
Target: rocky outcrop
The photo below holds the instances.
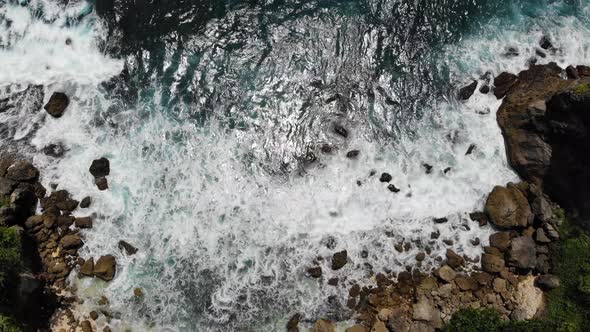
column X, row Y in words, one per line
column 57, row 104
column 100, row 168
column 105, row 267
column 507, row 207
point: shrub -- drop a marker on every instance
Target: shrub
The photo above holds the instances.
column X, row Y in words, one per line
column 475, row 320
column 8, row 324
column 10, row 255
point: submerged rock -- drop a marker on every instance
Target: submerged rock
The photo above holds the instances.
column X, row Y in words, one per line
column 57, row 104
column 466, row 92
column 127, row 248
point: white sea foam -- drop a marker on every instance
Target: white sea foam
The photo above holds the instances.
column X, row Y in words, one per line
column 219, row 237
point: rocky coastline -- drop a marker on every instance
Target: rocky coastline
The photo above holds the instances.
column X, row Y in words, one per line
column 545, row 121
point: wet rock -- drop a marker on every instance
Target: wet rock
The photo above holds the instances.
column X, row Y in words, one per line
column 105, row 267
column 357, row 328
column 453, row 260
column 339, row 260
column 500, row 240
column 470, row 149
column 446, row 273
column 545, row 43
column 85, row 203
column 511, row 52
column 87, row 269
column 508, row 207
column 523, row 252
column 106, row 329
column 379, row 326
column 480, row 217
column 138, row 292
column 129, row 249
column 492, row 263
column 94, row 315
column 54, row 150
column 466, row 92
column 57, row 104
column 385, row 177
column 435, row 235
column 333, row 281
column 503, row 83
column 541, row 237
column 547, row 282
column 572, row 73
column 420, row 257
column 22, row 171
column 86, row 326
column 315, row 272
column 100, row 167
column 475, row 242
column 427, row 167
column 340, row 130
column 293, row 323
column 101, row 183
column 393, row 188
column 71, row 241
column 352, row 154
column 85, row 222
column 440, row 220
column 323, row 325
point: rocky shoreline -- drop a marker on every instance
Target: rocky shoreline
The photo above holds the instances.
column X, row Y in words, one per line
column 545, row 122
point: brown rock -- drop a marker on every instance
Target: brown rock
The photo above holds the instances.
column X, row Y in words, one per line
column 105, row 268
column 339, row 260
column 492, row 263
column 454, row 260
column 22, row 171
column 131, row 250
column 357, row 328
column 94, row 315
column 85, row 326
column 379, row 326
column 446, row 273
column 293, row 323
column 323, row 325
column 138, row 292
column 106, row 329
column 503, row 83
column 101, row 183
column 315, row 272
column 85, row 222
column 85, row 202
column 466, row 283
column 71, row 241
column 523, row 252
column 57, row 104
column 508, row 207
column 87, row 269
column 500, row 240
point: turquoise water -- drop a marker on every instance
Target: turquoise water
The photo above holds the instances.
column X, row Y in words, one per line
column 219, row 134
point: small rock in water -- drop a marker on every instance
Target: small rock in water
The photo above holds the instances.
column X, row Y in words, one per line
column 54, row 150
column 540, row 53
column 385, row 177
column 339, row 260
column 100, row 167
column 57, row 104
column 470, row 149
column 467, row 91
column 85, row 222
column 127, row 248
column 546, row 43
column 511, row 52
column 138, row 292
column 68, row 41
column 427, row 167
column 353, row 154
column 94, row 315
column 105, row 267
column 85, row 202
column 447, row 170
column 440, row 220
column 292, row 324
column 315, row 272
column 87, row 269
column 333, row 281
column 393, row 188
column 340, row 130
column 101, row 183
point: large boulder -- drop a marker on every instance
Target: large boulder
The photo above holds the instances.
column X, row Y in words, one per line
column 100, row 167
column 523, row 252
column 507, row 207
column 71, row 241
column 105, row 267
column 339, row 259
column 22, row 171
column 492, row 263
column 57, row 104
column 503, row 83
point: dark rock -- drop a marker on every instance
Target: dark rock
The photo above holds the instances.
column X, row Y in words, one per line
column 7, row 186
column 547, row 282
column 453, row 260
column 85, row 202
column 339, row 259
column 542, row 209
column 470, row 149
column 127, row 248
column 24, row 202
column 508, row 207
column 440, row 220
column 511, row 52
column 583, row 70
column 22, row 171
column 435, row 235
column 572, row 73
column 540, row 53
column 85, row 222
column 541, row 237
column 420, row 257
column 105, row 267
column 293, row 323
column 480, row 217
column 57, row 104
column 87, row 269
column 546, row 43
column 467, row 91
column 71, row 241
column 93, row 315
column 523, row 252
column 543, row 263
column 100, row 167
column 475, row 242
column 54, row 150
column 333, row 281
column 550, row 231
column 314, row 272
column 500, row 240
column 86, row 326
column 503, row 83
column 428, row 168
column 39, row 190
column 447, row 170
column 101, row 183
column 393, row 188
column 492, row 263
column 340, row 130
column 385, row 177
column 352, row 154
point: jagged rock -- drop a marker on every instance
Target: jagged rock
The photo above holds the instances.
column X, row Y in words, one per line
column 340, row 130
column 314, row 272
column 508, row 207
column 426, row 311
column 61, row 200
column 54, row 150
column 379, row 326
column 492, row 263
column 547, row 282
column 105, row 267
column 352, row 154
column 385, row 177
column 481, row 218
column 454, row 260
column 85, row 203
column 503, row 83
column 393, row 188
column 100, row 167
column 339, row 260
column 71, row 241
column 529, row 300
column 101, row 183
column 523, row 252
column 446, row 273
column 87, row 269
column 572, row 73
column 466, row 283
column 85, row 222
column 57, row 104
column 293, row 323
column 541, row 237
column 7, row 186
column 467, row 91
column 129, row 249
column 323, row 325
column 22, row 171
column 500, row 240
column 550, row 232
column 545, row 43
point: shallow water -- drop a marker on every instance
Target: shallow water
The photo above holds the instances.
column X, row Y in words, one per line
column 217, row 140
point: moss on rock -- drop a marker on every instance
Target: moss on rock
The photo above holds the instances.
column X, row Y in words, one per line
column 582, row 90
column 10, row 257
column 9, row 324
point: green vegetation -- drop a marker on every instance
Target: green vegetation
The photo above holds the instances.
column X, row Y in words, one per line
column 10, row 257
column 582, row 90
column 4, row 201
column 8, row 324
column 489, row 320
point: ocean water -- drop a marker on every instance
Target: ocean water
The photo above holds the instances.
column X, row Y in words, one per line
column 226, row 171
